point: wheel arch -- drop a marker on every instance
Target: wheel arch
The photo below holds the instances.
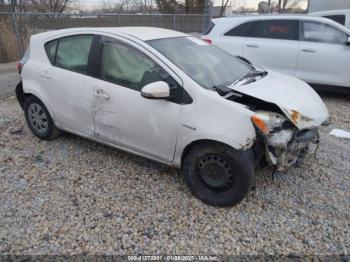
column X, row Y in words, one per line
column 23, row 94
column 207, row 141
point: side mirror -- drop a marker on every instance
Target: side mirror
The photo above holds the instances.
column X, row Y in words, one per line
column 156, row 90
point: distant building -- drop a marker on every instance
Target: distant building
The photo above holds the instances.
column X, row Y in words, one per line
column 215, row 11
column 322, row 5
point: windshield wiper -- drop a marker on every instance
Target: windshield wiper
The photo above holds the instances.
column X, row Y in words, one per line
column 222, row 90
column 251, row 74
column 226, row 92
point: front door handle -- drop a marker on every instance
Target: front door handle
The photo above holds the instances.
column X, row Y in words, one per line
column 45, row 74
column 252, row 45
column 102, row 94
column 308, row 50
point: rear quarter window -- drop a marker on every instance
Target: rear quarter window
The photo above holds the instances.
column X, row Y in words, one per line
column 210, row 27
column 51, row 48
column 337, row 18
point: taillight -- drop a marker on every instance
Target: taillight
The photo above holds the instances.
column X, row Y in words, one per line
column 209, row 41
column 24, row 60
column 19, row 67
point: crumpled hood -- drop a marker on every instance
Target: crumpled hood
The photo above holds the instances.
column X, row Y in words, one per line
column 300, row 103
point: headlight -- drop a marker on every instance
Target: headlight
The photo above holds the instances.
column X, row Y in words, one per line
column 267, row 121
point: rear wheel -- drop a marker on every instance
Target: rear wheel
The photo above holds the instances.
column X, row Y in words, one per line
column 218, row 174
column 39, row 119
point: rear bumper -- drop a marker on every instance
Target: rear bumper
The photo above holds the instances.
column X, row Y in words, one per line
column 20, row 94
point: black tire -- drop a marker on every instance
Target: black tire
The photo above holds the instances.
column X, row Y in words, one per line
column 224, row 181
column 50, row 131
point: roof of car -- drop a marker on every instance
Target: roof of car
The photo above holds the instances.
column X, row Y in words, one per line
column 227, row 22
column 265, row 16
column 326, row 12
column 142, row 33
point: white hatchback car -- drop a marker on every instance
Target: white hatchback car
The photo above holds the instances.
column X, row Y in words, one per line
column 169, row 97
column 316, row 50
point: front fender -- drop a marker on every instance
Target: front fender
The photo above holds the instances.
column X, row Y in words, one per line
column 186, row 139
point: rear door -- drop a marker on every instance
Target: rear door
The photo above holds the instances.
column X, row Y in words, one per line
column 66, row 82
column 324, row 55
column 273, row 44
column 232, row 41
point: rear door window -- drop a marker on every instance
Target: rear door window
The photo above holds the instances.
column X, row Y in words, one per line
column 242, row 30
column 73, row 53
column 276, row 29
column 337, row 18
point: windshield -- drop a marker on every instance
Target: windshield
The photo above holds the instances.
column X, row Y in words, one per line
column 208, row 65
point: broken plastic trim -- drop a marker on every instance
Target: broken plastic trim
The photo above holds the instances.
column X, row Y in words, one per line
column 252, row 103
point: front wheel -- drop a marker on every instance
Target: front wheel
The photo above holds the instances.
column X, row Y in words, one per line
column 218, row 174
column 39, row 119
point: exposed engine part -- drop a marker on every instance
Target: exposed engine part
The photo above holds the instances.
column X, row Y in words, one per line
column 289, row 147
column 285, row 145
column 281, row 139
column 252, row 103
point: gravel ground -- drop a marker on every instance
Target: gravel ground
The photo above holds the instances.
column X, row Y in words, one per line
column 73, row 196
column 8, row 81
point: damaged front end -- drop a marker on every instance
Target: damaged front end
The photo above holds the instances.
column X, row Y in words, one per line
column 284, row 144
column 283, row 136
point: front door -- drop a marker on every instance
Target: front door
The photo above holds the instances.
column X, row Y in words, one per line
column 324, row 56
column 121, row 115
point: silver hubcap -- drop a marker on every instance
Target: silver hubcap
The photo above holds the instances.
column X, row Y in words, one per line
column 38, row 118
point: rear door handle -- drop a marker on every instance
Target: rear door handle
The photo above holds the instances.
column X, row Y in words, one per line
column 252, row 45
column 45, row 75
column 308, row 50
column 102, row 94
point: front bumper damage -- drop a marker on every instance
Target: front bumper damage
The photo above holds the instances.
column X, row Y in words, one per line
column 288, row 147
column 285, row 125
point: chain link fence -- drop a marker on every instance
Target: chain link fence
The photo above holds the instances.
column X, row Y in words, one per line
column 17, row 28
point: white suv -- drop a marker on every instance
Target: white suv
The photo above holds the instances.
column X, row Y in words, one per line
column 172, row 98
column 316, row 50
column 342, row 16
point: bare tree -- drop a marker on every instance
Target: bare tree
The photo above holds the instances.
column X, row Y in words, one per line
column 223, row 6
column 5, row 5
column 145, row 6
column 194, row 6
column 283, row 5
column 50, row 6
column 168, row 6
column 110, row 7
